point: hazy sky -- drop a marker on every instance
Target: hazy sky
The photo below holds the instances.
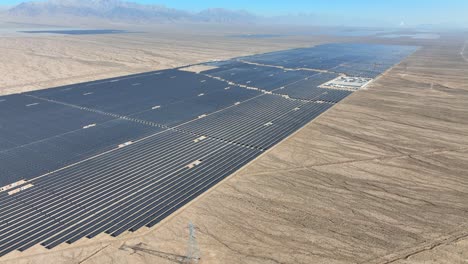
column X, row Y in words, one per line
column 390, row 11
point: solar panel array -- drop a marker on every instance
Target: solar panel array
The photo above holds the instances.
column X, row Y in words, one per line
column 363, row 60
column 118, row 154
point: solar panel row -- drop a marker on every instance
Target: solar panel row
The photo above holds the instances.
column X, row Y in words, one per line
column 53, row 153
column 101, row 193
column 351, row 59
column 130, row 96
column 118, row 154
column 25, row 119
column 309, row 89
column 267, row 78
column 255, row 123
column 176, row 114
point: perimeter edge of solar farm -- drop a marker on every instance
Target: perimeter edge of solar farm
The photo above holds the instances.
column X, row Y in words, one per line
column 115, row 155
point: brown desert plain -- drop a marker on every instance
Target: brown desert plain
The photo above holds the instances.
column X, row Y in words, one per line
column 382, row 177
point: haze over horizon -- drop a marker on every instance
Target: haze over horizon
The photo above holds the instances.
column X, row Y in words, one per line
column 341, row 12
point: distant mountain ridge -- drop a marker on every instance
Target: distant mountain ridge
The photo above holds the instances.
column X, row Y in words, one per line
column 126, row 11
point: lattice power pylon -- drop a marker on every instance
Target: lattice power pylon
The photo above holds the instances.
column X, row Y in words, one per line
column 193, row 252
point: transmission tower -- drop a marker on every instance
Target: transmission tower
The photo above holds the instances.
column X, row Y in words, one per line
column 193, row 252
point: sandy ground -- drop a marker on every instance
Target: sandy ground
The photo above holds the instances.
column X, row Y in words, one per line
column 380, row 178
column 31, row 62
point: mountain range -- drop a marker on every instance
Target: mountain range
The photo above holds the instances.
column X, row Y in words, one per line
column 116, row 10
column 130, row 12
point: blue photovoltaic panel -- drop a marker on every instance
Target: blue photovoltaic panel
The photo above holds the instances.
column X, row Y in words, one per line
column 131, row 95
column 189, row 109
column 367, row 57
column 267, row 78
column 25, row 119
column 44, row 156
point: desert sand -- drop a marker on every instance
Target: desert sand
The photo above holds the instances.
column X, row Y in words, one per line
column 38, row 61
